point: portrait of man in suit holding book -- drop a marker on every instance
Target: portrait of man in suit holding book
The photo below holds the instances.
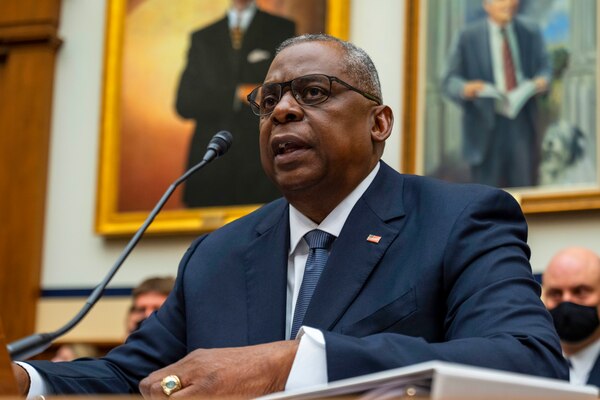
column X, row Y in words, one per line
column 495, row 69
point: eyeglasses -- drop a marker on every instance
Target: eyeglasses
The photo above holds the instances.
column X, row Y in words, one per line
column 142, row 309
column 308, row 90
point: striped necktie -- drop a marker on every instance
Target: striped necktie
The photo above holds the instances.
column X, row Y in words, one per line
column 318, row 244
column 237, row 35
column 508, row 62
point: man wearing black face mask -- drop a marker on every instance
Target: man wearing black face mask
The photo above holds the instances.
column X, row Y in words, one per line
column 571, row 285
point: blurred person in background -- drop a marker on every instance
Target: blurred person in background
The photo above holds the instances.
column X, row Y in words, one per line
column 571, row 292
column 147, row 297
column 73, row 351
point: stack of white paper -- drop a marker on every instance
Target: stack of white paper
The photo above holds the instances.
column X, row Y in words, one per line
column 440, row 380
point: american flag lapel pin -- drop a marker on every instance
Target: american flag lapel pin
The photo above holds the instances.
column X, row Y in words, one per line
column 373, row 238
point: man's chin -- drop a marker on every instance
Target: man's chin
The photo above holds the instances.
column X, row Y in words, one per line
column 293, row 187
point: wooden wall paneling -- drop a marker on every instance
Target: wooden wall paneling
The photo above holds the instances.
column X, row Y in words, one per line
column 28, row 12
column 8, row 383
column 28, row 46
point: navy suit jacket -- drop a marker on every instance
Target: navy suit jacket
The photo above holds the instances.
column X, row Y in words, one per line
column 471, row 59
column 449, row 280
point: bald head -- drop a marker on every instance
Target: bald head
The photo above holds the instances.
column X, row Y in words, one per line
column 573, row 275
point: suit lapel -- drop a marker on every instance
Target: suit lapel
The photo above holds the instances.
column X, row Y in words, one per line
column 524, row 47
column 483, row 47
column 253, row 33
column 266, row 277
column 353, row 257
column 228, row 58
column 594, row 378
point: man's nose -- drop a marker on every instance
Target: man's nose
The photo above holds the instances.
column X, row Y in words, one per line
column 287, row 109
column 566, row 298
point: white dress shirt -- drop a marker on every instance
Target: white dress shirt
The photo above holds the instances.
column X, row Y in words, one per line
column 310, row 364
column 241, row 19
column 582, row 362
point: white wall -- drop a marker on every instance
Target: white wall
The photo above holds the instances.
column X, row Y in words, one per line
column 550, row 233
column 376, row 27
column 75, row 257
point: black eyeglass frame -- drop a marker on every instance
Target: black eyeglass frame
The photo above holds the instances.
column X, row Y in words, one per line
column 282, row 85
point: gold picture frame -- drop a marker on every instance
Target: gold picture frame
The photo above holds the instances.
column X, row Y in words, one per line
column 113, row 220
column 418, row 52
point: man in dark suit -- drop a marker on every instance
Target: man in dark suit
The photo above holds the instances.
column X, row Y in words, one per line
column 225, row 61
column 571, row 285
column 418, row 269
column 505, row 52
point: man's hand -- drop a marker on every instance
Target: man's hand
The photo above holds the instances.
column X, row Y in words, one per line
column 239, row 371
column 22, row 378
column 541, row 84
column 472, row 89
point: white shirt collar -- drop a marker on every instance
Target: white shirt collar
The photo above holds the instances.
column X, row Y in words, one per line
column 582, row 363
column 243, row 18
column 496, row 29
column 300, row 225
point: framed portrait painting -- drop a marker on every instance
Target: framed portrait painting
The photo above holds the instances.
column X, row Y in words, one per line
column 176, row 73
column 504, row 93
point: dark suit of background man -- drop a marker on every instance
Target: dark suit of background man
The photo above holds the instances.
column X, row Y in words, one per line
column 223, row 65
column 418, row 270
column 501, row 151
column 571, row 285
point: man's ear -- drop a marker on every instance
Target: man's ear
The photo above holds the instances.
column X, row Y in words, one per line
column 381, row 126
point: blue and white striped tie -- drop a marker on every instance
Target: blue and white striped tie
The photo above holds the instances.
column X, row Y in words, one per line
column 318, row 243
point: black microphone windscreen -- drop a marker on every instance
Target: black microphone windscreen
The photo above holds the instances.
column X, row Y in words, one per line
column 220, row 142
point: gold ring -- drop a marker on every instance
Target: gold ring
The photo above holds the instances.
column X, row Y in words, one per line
column 170, row 384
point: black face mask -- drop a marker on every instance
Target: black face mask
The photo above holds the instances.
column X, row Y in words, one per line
column 573, row 322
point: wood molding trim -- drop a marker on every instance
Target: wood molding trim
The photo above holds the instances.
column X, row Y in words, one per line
column 39, row 33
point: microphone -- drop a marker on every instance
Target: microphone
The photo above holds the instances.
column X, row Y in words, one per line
column 29, row 346
column 218, row 145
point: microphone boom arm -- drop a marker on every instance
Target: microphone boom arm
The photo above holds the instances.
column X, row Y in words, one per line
column 32, row 345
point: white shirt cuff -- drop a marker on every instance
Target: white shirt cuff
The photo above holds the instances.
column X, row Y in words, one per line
column 37, row 386
column 310, row 365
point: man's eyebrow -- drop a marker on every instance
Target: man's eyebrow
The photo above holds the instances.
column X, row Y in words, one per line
column 583, row 286
column 553, row 290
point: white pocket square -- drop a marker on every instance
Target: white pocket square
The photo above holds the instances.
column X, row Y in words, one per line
column 258, row 55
